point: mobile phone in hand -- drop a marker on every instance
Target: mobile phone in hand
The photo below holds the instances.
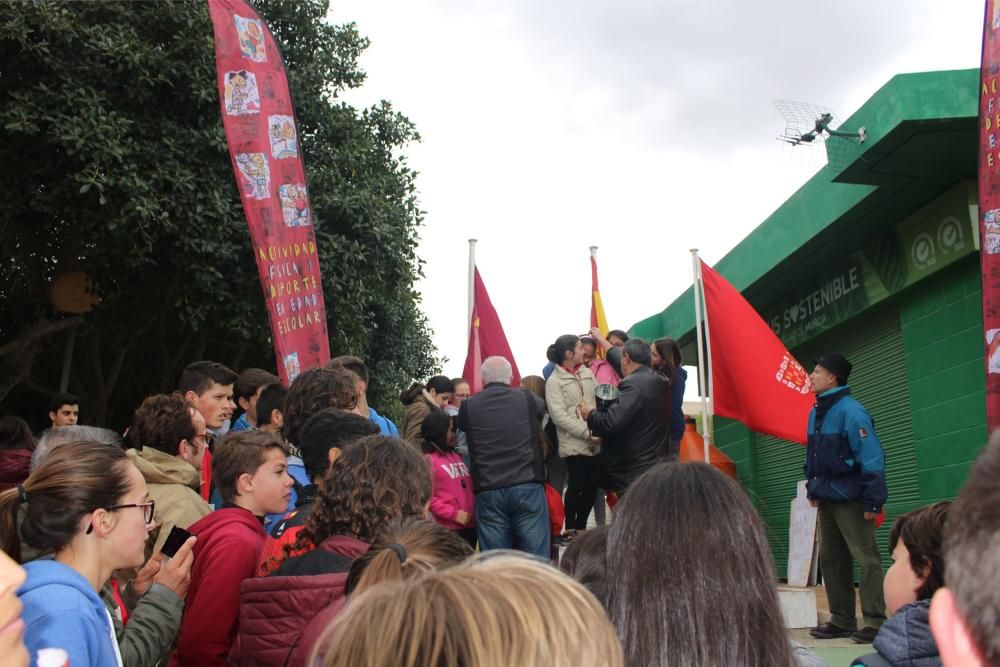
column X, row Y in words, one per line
column 175, row 540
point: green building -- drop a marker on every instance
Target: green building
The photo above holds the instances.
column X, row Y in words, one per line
column 878, row 258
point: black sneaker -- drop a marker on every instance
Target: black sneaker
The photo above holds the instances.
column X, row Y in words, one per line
column 831, row 631
column 864, row 636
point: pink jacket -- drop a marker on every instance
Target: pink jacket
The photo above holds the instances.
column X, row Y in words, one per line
column 452, row 489
column 604, row 372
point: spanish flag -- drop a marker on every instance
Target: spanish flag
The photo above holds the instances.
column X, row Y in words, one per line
column 486, row 338
column 597, row 317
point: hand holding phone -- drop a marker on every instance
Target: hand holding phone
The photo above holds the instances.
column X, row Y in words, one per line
column 175, row 573
column 175, row 540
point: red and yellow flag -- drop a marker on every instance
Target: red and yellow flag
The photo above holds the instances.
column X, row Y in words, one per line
column 597, row 317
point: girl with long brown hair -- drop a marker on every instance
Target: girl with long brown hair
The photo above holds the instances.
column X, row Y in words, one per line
column 87, row 505
column 693, row 581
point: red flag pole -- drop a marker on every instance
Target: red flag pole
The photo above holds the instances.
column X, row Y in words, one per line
column 699, row 298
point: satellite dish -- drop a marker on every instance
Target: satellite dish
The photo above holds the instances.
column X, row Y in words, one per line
column 808, row 126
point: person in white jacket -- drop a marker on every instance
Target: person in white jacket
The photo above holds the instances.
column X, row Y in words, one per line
column 569, row 388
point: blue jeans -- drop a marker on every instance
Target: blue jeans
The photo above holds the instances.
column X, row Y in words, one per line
column 515, row 517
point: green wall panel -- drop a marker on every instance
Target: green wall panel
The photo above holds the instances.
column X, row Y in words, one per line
column 942, row 327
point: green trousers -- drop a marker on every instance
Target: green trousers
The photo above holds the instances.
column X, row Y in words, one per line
column 844, row 537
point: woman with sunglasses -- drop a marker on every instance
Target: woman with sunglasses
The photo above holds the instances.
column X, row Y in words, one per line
column 88, row 508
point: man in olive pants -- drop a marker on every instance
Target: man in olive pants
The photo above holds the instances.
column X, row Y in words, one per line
column 845, row 472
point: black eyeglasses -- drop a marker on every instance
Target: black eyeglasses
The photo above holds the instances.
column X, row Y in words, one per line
column 148, row 508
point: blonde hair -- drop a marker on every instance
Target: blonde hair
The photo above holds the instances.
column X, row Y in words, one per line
column 492, row 611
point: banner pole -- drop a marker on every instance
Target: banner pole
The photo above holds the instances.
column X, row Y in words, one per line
column 702, row 366
column 472, row 282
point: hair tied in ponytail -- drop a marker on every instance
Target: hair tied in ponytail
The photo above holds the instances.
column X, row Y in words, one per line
column 22, row 495
column 400, row 551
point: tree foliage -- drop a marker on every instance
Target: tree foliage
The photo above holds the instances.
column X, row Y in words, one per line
column 113, row 162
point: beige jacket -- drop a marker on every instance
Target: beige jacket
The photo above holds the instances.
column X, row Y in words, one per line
column 564, row 393
column 416, row 411
column 173, row 484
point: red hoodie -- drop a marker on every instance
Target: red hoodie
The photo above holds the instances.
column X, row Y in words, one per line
column 229, row 546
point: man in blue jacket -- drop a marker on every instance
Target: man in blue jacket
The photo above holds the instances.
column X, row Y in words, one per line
column 845, row 472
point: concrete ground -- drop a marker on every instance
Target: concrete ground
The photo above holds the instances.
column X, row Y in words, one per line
column 836, row 652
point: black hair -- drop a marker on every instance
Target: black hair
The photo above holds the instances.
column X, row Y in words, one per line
column 201, row 375
column 557, row 351
column 441, row 384
column 586, row 561
column 252, row 379
column 434, row 432
column 62, row 399
column 271, row 399
column 638, row 350
column 325, row 430
column 619, row 334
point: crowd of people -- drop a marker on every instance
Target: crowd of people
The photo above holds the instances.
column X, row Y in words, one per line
column 307, row 529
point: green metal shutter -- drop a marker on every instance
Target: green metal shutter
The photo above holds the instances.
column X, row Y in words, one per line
column 874, row 344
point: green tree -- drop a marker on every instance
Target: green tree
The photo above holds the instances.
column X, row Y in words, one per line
column 113, row 162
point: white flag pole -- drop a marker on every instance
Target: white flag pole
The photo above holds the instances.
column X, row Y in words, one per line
column 708, row 374
column 472, row 283
column 699, row 294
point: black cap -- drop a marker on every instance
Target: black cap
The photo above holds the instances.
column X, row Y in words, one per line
column 836, row 364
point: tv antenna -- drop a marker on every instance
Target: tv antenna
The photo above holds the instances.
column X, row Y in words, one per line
column 809, row 126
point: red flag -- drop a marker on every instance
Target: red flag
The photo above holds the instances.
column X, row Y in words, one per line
column 263, row 139
column 755, row 379
column 486, row 338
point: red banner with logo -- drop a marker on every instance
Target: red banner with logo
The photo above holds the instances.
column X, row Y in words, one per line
column 264, row 147
column 755, row 379
column 989, row 205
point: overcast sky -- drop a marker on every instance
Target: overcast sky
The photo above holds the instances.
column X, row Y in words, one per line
column 644, row 127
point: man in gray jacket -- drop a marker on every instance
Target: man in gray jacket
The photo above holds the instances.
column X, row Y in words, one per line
column 501, row 425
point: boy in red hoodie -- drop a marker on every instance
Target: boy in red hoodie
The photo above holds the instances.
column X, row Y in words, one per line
column 250, row 473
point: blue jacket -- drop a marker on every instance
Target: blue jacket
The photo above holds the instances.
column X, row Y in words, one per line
column 62, row 610
column 844, row 459
column 384, row 425
column 905, row 640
